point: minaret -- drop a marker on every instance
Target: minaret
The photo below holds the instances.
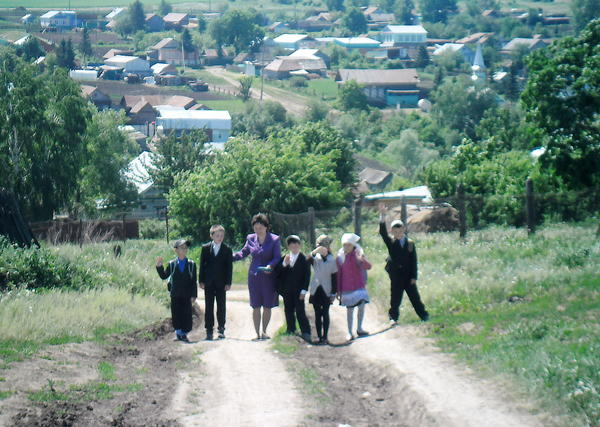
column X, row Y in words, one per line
column 478, row 65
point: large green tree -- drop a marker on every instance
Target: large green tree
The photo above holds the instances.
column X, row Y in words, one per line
column 137, row 16
column 107, row 152
column 239, row 28
column 43, row 122
column 177, row 155
column 164, row 8
column 251, row 176
column 563, row 98
column 403, row 11
column 354, row 21
column 65, row 55
column 351, row 95
column 85, row 46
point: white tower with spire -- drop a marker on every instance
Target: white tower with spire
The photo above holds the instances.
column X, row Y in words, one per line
column 478, row 65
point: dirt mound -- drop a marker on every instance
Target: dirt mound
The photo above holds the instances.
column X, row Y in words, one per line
column 439, row 218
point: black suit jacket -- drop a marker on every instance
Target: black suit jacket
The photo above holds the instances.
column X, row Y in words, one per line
column 402, row 261
column 216, row 271
column 293, row 279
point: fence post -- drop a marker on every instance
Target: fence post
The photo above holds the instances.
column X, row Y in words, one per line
column 530, row 206
column 124, row 234
column 167, row 222
column 311, row 226
column 403, row 209
column 357, row 215
column 462, row 214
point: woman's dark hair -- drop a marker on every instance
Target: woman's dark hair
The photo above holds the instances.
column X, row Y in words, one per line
column 261, row 218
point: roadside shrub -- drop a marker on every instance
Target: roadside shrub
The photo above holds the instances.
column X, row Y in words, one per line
column 152, row 229
column 298, row 81
column 32, row 268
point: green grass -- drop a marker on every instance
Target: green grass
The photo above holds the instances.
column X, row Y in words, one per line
column 233, row 106
column 515, row 307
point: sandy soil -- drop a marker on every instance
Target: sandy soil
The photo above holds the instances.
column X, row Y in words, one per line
column 394, row 377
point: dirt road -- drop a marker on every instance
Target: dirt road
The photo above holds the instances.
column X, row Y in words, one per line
column 394, row 377
column 292, row 102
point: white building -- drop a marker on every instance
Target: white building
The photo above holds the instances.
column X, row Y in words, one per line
column 130, row 64
column 216, row 124
column 59, row 19
column 395, row 35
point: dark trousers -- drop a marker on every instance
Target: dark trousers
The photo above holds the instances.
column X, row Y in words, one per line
column 321, row 303
column 181, row 313
column 398, row 288
column 294, row 308
column 210, row 294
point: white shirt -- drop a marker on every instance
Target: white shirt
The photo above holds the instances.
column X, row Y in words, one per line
column 216, row 248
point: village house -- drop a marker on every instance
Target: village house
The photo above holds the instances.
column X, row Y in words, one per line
column 142, row 110
column 385, row 87
column 154, row 23
column 129, row 65
column 363, row 44
column 311, row 54
column 467, row 54
column 318, row 22
column 532, row 44
column 27, row 19
column 278, row 27
column 61, row 19
column 212, row 57
column 295, row 41
column 404, row 39
column 176, row 21
column 117, row 12
column 377, row 18
column 96, row 97
column 152, row 201
column 114, row 52
column 475, row 38
column 216, row 124
column 375, row 179
column 169, row 50
column 284, row 67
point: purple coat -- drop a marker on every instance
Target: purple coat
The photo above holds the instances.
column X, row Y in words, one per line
column 261, row 285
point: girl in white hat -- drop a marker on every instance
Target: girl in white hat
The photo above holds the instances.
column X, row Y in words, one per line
column 352, row 279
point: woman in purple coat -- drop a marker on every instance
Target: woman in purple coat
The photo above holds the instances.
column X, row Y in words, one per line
column 266, row 253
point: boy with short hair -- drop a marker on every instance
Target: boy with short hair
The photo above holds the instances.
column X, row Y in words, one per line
column 215, row 278
column 293, row 274
column 183, row 287
column 401, row 267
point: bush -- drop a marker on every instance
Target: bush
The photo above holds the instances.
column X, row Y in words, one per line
column 32, row 268
column 152, row 229
column 298, row 81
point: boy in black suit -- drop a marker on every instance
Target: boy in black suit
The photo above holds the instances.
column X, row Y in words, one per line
column 183, row 287
column 293, row 274
column 401, row 267
column 215, row 279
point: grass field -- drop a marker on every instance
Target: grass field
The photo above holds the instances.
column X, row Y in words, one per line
column 524, row 310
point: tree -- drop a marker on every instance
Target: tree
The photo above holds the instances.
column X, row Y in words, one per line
column 354, row 21
column 422, row 59
column 137, row 16
column 403, row 11
column 108, row 150
column 41, row 136
column 176, row 156
column 408, row 153
column 562, row 98
column 85, row 46
column 260, row 119
column 239, row 28
column 584, row 11
column 245, row 85
column 65, row 54
column 437, row 10
column 164, row 8
column 460, row 106
column 201, row 23
column 186, row 41
column 32, row 49
column 351, row 95
column 251, row 176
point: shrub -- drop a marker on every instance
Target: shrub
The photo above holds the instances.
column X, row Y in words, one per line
column 298, row 81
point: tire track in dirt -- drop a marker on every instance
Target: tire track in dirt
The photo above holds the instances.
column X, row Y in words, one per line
column 242, row 382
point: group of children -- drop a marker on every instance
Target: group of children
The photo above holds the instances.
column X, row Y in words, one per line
column 343, row 276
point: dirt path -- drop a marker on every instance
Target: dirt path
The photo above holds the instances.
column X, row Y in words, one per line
column 293, row 103
column 395, row 377
column 243, row 382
